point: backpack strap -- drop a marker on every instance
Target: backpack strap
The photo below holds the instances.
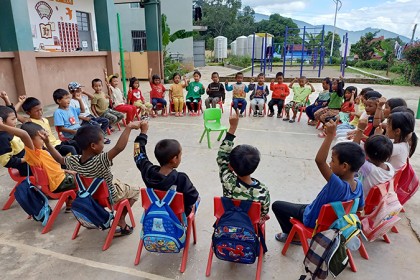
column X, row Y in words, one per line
column 80, row 183
column 93, row 187
column 338, row 208
column 152, row 195
column 355, row 206
column 245, row 205
column 45, row 211
column 227, row 203
column 262, row 239
column 169, row 196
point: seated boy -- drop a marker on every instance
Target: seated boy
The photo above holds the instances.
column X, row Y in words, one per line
column 164, row 177
column 346, row 159
column 33, row 136
column 235, row 168
column 33, row 108
column 258, row 96
column 239, row 92
column 66, row 118
column 12, row 149
column 300, row 93
column 95, row 163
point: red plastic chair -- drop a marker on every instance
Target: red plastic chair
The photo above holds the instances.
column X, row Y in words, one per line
column 42, row 181
column 199, row 109
column 160, row 107
column 264, row 110
column 254, row 214
column 14, row 174
column 102, row 197
column 177, row 206
column 221, row 105
column 303, row 108
column 60, row 135
column 172, row 108
column 326, row 217
column 239, row 106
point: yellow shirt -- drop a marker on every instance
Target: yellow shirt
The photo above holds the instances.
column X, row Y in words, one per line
column 101, row 102
column 46, row 126
column 43, row 159
column 15, row 144
column 177, row 90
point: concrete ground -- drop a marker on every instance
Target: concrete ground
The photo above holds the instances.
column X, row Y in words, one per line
column 288, row 169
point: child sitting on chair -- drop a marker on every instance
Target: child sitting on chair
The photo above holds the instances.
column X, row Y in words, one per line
column 346, row 159
column 258, row 96
column 300, row 93
column 157, row 94
column 216, row 91
column 176, row 94
column 235, row 168
column 195, row 91
column 66, row 118
column 164, row 176
column 136, row 98
column 280, row 92
column 239, row 92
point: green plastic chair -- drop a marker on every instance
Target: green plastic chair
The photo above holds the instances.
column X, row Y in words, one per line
column 212, row 118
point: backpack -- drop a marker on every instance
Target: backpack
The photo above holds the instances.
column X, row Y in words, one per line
column 408, row 184
column 327, row 253
column 87, row 210
column 162, row 231
column 383, row 217
column 234, row 238
column 33, row 201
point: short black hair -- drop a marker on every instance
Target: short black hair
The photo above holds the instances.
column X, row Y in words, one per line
column 58, row 94
column 167, row 149
column 402, row 109
column 32, row 128
column 350, row 153
column 197, row 72
column 328, row 81
column 365, row 90
column 86, row 135
column 372, row 93
column 279, row 74
column 29, row 103
column 5, row 112
column 244, row 159
column 379, row 148
column 176, row 74
column 215, row 73
column 262, row 74
column 239, row 74
column 155, row 77
column 350, row 89
column 405, row 121
column 132, row 81
column 396, row 102
column 113, row 77
column 94, row 81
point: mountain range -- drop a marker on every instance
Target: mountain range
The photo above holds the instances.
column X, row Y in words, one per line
column 354, row 36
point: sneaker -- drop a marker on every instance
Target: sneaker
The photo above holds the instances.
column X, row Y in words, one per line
column 107, row 141
column 241, row 115
column 292, row 121
column 270, row 114
column 127, row 230
column 255, row 113
column 144, row 118
column 279, row 116
column 260, row 114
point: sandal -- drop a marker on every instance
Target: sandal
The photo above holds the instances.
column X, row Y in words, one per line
column 107, row 141
column 282, row 237
column 292, row 121
column 127, row 230
column 286, row 119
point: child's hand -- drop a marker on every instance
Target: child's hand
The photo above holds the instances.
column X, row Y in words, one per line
column 233, row 121
column 379, row 130
column 330, row 128
column 105, row 72
column 362, row 124
column 134, row 125
column 3, row 95
column 71, row 172
column 44, row 136
column 144, row 127
column 227, row 81
column 150, row 70
column 381, row 102
column 21, row 98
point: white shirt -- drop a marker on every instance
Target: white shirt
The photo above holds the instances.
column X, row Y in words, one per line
column 75, row 103
column 117, row 96
column 399, row 155
column 371, row 175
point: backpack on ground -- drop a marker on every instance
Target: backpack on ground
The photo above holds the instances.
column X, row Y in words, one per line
column 162, row 231
column 87, row 210
column 327, row 253
column 33, row 201
column 408, row 184
column 383, row 217
column 234, row 238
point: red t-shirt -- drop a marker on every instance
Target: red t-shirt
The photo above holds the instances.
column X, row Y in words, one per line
column 157, row 91
column 134, row 95
column 280, row 91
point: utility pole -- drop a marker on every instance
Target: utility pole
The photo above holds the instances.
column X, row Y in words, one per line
column 335, row 20
column 414, row 32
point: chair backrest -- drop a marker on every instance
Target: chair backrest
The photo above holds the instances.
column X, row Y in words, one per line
column 374, row 197
column 327, row 215
column 212, row 114
column 254, row 212
column 102, row 193
column 398, row 174
column 42, row 181
column 60, row 135
column 14, row 174
column 177, row 204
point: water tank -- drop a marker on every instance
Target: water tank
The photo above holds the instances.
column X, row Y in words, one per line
column 258, row 44
column 220, row 47
column 233, row 48
column 241, row 46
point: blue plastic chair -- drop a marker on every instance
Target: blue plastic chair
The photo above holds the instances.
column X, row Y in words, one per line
column 212, row 118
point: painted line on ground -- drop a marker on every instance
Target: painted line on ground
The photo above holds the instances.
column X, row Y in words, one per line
column 86, row 262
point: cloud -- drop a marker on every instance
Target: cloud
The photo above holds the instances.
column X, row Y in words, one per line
column 269, row 7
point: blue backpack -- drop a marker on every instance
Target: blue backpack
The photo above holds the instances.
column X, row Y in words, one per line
column 33, row 201
column 162, row 231
column 234, row 238
column 88, row 211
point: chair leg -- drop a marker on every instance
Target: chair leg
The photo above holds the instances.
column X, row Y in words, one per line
column 208, row 139
column 259, row 263
column 76, row 231
column 11, row 199
column 288, row 241
column 386, row 238
column 194, row 231
column 351, row 261
column 394, row 229
column 187, row 246
column 57, row 210
column 138, row 255
column 402, row 210
column 130, row 213
column 209, row 261
column 108, row 131
column 220, row 135
column 202, row 136
column 114, row 225
column 362, row 250
column 300, row 114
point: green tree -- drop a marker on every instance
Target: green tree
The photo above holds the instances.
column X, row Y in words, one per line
column 412, row 55
column 364, row 48
column 243, row 25
column 386, row 51
column 327, row 44
column 276, row 25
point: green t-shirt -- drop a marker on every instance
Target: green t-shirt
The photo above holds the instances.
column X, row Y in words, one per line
column 335, row 101
column 300, row 93
column 195, row 90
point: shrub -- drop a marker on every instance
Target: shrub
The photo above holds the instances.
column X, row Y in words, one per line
column 399, row 68
column 372, row 64
column 241, row 61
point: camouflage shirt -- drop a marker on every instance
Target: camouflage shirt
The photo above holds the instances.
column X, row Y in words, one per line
column 234, row 187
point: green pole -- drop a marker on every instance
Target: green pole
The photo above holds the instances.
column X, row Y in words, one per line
column 121, row 56
column 418, row 110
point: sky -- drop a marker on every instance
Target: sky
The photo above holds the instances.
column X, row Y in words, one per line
column 398, row 16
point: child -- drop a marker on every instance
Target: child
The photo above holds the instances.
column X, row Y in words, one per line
column 66, row 118
column 33, row 136
column 346, row 159
column 135, row 97
column 350, row 94
column 118, row 100
column 400, row 128
column 280, row 92
column 258, row 96
column 334, row 105
column 165, row 176
column 239, row 93
column 300, row 93
column 33, row 108
column 235, row 168
column 195, row 91
column 12, row 149
column 376, row 169
column 157, row 94
column 216, row 91
column 381, row 115
column 96, row 163
column 320, row 102
column 176, row 94
column 100, row 104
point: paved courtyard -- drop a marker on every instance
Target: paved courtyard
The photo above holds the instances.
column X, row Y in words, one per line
column 288, row 169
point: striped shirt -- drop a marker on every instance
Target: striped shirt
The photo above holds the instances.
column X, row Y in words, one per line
column 98, row 166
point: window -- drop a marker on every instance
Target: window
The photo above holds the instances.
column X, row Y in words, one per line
column 134, row 5
column 139, row 40
column 82, row 21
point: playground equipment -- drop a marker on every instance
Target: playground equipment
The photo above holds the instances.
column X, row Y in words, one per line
column 261, row 51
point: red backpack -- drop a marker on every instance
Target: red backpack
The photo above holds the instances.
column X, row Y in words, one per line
column 407, row 185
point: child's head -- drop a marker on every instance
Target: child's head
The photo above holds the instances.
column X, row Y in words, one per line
column 302, row 81
column 393, row 103
column 90, row 138
column 372, row 94
column 62, row 97
column 400, row 127
column 114, row 81
column 196, row 76
column 134, row 83
column 279, row 77
column 347, row 157
column 75, row 89
column 168, row 152
column 260, row 79
column 362, row 94
column 378, row 149
column 327, row 84
column 370, row 106
column 155, row 79
column 8, row 115
column 338, row 86
column 239, row 77
column 33, row 130
column 33, row 108
column 97, row 85
column 244, row 159
column 349, row 92
column 176, row 78
column 215, row 77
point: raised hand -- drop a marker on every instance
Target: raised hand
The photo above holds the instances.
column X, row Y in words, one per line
column 362, row 124
column 22, row 98
column 330, row 127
